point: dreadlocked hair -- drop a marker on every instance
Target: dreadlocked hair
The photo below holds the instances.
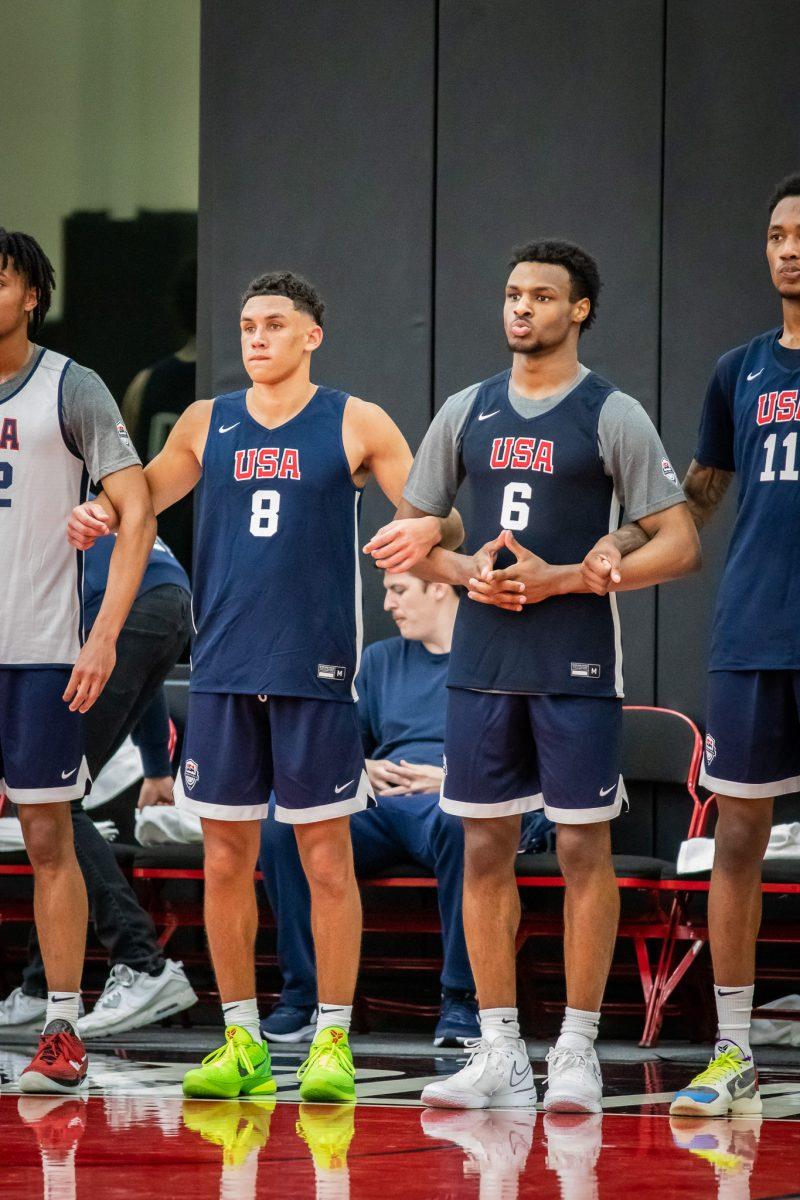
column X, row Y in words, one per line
column 34, row 266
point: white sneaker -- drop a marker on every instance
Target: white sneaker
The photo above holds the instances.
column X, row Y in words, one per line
column 131, row 999
column 18, row 1010
column 574, row 1082
column 497, row 1075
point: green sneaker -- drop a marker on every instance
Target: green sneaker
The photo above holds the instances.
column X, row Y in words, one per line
column 327, row 1075
column 241, row 1067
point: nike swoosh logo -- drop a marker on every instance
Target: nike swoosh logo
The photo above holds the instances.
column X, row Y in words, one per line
column 518, row 1077
column 485, row 416
column 75, row 1066
column 755, row 375
column 228, row 428
column 605, row 791
column 736, row 992
column 343, row 786
column 66, row 774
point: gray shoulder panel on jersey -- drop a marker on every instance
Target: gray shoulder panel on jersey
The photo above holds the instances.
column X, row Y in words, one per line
column 93, row 423
column 634, row 457
column 438, row 471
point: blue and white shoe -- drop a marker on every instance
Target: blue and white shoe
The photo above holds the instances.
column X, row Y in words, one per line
column 728, row 1086
column 458, row 1019
column 287, row 1023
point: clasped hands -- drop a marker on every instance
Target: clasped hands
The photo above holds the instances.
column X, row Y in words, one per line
column 531, row 579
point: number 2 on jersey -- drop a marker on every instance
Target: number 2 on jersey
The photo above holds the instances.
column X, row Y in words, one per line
column 6, row 476
column 789, row 470
column 516, row 513
column 265, row 508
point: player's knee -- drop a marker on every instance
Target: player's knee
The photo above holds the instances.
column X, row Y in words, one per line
column 327, row 869
column 223, row 863
column 489, row 849
column 48, row 840
column 583, row 850
column 741, row 835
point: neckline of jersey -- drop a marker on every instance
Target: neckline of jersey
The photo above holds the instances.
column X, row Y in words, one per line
column 778, row 350
column 284, row 424
column 579, row 379
column 37, row 358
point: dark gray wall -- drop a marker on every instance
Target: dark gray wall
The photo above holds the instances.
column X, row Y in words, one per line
column 395, row 151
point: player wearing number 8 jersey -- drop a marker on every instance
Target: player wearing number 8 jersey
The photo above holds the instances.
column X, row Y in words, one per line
column 280, row 468
column 550, row 453
column 749, row 427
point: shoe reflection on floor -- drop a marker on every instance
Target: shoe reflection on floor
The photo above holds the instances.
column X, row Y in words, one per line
column 496, row 1141
column 58, row 1123
column 241, row 1129
column 728, row 1144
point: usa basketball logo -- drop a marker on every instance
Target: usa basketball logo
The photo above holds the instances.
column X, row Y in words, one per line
column 191, row 773
column 669, row 470
column 123, row 434
column 711, row 749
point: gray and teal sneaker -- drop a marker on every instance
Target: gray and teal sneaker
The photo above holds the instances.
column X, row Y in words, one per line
column 728, row 1086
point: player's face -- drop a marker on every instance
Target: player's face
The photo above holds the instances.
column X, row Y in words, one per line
column 275, row 338
column 538, row 313
column 783, row 247
column 17, row 300
column 412, row 605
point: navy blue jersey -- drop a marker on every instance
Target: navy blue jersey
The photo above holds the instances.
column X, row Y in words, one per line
column 276, row 581
column 543, row 478
column 402, row 701
column 750, row 424
column 162, row 568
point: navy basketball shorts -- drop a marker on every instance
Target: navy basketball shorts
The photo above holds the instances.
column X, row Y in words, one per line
column 41, row 742
column 237, row 749
column 508, row 754
column 752, row 733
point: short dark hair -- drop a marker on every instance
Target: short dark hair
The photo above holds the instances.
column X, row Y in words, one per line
column 34, row 266
column 303, row 295
column 582, row 269
column 790, row 186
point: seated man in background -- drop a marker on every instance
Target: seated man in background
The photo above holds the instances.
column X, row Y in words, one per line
column 401, row 706
column 143, row 986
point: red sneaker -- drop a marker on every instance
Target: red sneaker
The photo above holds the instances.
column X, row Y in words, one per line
column 60, row 1063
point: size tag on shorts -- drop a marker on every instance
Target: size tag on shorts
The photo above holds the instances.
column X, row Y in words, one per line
column 584, row 670
column 327, row 671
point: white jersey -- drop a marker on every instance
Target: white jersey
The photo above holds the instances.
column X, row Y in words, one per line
column 41, row 480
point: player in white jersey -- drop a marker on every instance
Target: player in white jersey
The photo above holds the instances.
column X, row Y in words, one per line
column 59, row 428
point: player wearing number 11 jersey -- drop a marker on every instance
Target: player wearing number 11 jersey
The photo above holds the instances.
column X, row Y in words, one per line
column 750, row 426
column 280, row 467
column 551, row 452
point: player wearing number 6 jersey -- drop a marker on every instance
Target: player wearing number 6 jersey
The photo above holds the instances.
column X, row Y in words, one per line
column 280, row 468
column 750, row 425
column 551, row 452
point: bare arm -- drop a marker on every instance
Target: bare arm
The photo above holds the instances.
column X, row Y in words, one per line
column 130, row 497
column 384, row 453
column 170, row 476
column 704, row 488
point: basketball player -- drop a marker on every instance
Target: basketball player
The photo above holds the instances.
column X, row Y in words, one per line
column 59, row 427
column 277, row 607
column 750, row 426
column 551, row 452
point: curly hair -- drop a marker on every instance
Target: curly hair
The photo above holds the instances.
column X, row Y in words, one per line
column 790, row 186
column 303, row 295
column 31, row 262
column 580, row 265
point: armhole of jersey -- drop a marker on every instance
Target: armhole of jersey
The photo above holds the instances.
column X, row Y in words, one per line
column 65, row 438
column 208, row 435
column 345, row 460
column 84, row 493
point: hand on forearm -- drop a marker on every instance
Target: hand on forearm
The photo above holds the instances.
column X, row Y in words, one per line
column 672, row 551
column 445, row 566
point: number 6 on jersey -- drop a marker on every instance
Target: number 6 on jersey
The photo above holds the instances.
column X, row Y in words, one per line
column 516, row 514
column 265, row 507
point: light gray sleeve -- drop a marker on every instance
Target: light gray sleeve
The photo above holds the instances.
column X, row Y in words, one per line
column 634, row 456
column 93, row 424
column 438, row 470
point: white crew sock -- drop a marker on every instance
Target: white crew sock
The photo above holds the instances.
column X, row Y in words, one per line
column 243, row 1013
column 330, row 1016
column 62, row 1006
column 734, row 1006
column 579, row 1029
column 498, row 1023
